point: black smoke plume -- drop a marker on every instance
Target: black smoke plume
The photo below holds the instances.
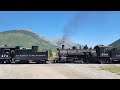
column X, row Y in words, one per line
column 69, row 30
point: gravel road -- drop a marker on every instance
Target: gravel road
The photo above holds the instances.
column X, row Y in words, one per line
column 55, row 71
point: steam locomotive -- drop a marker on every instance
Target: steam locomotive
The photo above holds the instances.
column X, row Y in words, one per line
column 17, row 55
column 99, row 54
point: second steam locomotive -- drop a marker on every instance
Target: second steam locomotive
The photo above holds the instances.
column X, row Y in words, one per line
column 99, row 54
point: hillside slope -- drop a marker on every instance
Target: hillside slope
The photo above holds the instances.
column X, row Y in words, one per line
column 116, row 44
column 23, row 38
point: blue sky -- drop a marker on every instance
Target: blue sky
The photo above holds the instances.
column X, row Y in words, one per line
column 94, row 27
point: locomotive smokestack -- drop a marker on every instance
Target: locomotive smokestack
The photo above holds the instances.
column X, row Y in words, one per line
column 63, row 46
column 74, row 47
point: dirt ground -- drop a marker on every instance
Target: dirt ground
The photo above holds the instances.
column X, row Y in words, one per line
column 55, row 71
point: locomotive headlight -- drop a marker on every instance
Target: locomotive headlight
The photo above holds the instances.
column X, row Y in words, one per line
column 6, row 55
column 1, row 55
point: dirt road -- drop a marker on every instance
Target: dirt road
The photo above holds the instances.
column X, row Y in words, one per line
column 54, row 71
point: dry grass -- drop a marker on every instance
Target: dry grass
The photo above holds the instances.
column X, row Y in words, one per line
column 113, row 69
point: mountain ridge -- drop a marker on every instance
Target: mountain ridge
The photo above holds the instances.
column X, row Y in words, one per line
column 116, row 44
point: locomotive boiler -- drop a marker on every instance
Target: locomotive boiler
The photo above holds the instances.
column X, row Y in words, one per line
column 73, row 55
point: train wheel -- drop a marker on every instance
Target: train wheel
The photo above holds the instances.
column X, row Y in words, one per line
column 1, row 61
column 109, row 61
column 44, row 62
column 86, row 61
column 80, row 62
column 39, row 62
column 23, row 62
column 7, row 61
column 103, row 61
column 26, row 62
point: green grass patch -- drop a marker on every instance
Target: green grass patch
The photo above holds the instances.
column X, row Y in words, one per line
column 113, row 69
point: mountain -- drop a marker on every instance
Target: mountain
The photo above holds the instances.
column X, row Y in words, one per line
column 116, row 44
column 24, row 38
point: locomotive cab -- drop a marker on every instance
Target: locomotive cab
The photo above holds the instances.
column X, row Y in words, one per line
column 103, row 54
column 103, row 51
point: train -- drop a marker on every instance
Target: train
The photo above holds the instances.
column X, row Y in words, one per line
column 16, row 55
column 100, row 54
